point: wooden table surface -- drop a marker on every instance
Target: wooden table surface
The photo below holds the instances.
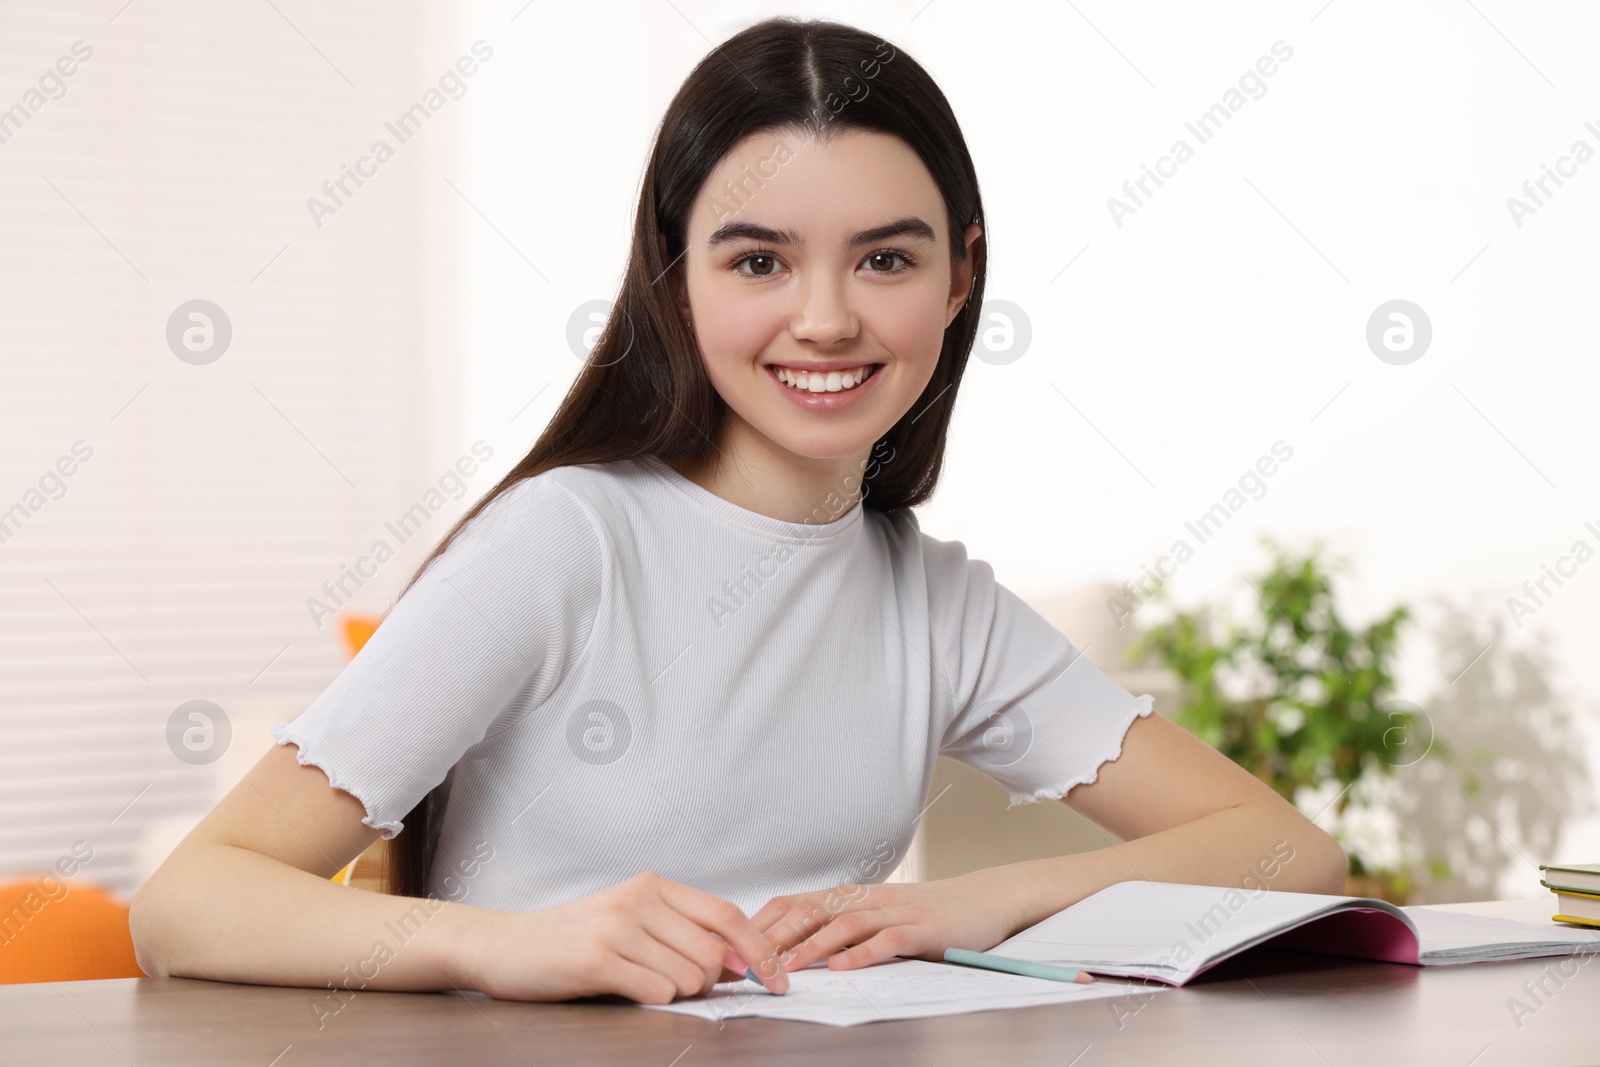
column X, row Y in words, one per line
column 1271, row 1010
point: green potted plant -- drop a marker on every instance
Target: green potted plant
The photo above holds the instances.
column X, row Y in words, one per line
column 1299, row 698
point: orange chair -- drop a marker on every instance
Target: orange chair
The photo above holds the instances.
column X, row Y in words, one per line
column 50, row 936
column 357, row 629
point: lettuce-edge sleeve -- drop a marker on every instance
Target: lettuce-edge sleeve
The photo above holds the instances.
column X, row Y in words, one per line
column 481, row 638
column 1026, row 707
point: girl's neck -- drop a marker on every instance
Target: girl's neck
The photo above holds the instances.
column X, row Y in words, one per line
column 751, row 471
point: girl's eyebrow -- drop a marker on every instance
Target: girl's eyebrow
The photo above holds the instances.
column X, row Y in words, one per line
column 910, row 226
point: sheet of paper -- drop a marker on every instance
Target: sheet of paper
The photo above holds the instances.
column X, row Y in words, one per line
column 1457, row 937
column 903, row 989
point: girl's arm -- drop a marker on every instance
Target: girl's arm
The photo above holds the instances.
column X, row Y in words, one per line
column 247, row 896
column 1188, row 814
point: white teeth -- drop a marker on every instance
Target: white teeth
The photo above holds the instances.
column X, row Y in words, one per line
column 822, row 382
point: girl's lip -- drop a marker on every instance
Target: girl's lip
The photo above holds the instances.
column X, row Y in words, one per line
column 826, row 401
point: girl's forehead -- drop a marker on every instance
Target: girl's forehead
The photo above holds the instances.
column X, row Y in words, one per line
column 786, row 179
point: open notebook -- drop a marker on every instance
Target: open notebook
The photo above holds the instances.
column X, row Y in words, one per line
column 1169, row 932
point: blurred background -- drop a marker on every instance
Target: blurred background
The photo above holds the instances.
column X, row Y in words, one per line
column 289, row 285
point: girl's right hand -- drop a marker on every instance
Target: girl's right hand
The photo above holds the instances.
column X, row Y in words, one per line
column 649, row 939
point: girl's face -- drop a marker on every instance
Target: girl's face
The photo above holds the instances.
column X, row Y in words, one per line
column 820, row 264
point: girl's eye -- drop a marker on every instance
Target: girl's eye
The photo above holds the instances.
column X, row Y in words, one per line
column 766, row 260
column 889, row 254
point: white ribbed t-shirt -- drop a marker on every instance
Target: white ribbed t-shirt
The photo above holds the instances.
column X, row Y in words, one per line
column 621, row 671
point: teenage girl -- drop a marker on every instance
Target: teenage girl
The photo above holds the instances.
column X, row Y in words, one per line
column 668, row 699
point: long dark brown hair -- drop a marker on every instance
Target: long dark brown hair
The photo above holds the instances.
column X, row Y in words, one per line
column 643, row 390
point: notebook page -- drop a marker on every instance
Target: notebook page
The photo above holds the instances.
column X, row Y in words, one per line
column 1165, row 930
column 1456, row 937
column 903, row 989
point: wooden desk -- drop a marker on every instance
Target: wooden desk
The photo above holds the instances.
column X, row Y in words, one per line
column 1276, row 1010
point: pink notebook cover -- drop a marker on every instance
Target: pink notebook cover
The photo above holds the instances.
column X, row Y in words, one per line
column 1364, row 932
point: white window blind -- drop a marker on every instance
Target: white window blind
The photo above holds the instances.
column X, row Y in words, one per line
column 164, row 520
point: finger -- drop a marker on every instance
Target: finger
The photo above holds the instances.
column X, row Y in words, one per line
column 637, row 982
column 706, row 950
column 801, row 921
column 771, row 910
column 721, row 917
column 886, row 944
column 687, row 976
column 844, row 931
column 831, row 901
column 735, row 969
column 810, row 912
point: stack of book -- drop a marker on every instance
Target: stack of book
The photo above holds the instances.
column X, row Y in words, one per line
column 1577, row 890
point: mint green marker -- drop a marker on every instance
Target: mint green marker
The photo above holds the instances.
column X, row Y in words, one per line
column 1011, row 966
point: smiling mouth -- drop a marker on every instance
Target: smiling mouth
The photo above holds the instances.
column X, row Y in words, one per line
column 833, row 381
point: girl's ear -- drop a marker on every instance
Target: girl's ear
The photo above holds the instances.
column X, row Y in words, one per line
column 962, row 275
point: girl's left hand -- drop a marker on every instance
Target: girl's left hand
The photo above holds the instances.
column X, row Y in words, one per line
column 876, row 922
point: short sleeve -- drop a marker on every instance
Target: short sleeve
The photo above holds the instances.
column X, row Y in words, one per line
column 487, row 631
column 1027, row 708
